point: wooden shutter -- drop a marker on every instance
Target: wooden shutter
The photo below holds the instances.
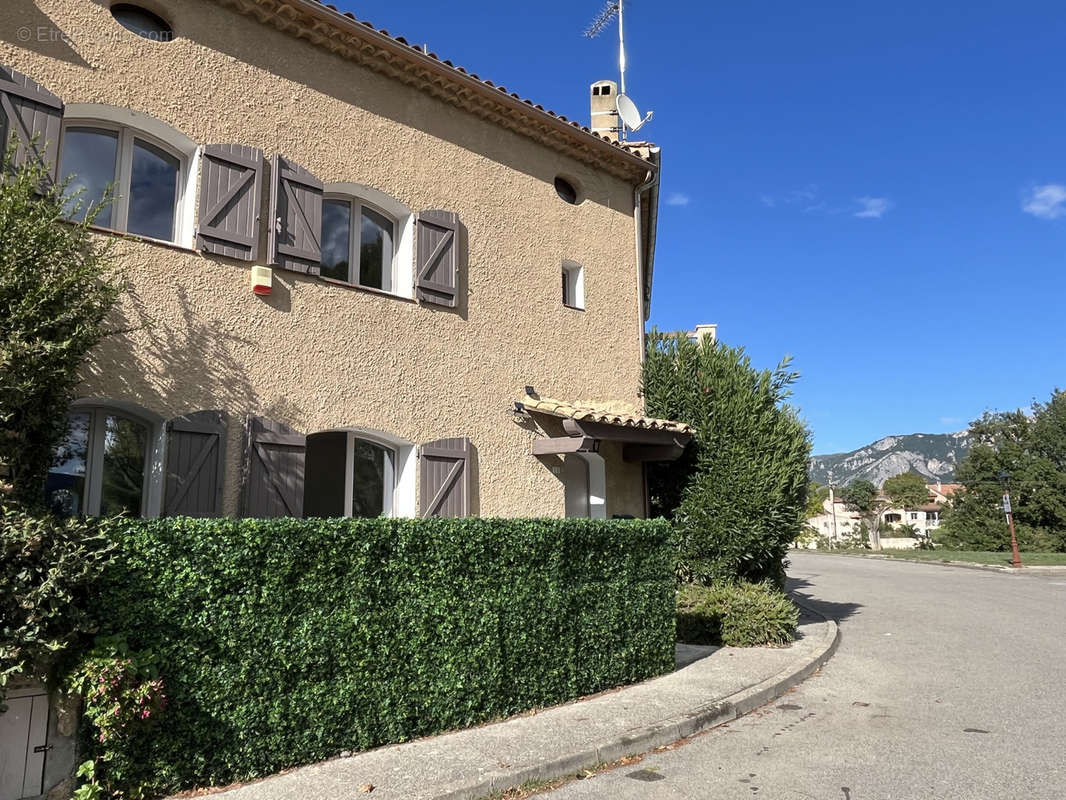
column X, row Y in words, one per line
column 274, row 470
column 195, row 464
column 31, row 111
column 445, row 475
column 437, row 273
column 326, row 482
column 230, row 188
column 296, row 217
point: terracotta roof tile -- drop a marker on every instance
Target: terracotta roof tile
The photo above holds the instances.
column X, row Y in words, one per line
column 400, row 40
column 590, row 413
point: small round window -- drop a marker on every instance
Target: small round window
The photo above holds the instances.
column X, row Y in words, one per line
column 142, row 22
column 566, row 190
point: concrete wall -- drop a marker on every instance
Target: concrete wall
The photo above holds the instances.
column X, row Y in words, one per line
column 317, row 356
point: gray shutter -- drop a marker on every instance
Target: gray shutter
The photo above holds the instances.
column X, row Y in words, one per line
column 326, row 474
column 195, row 464
column 295, row 217
column 274, row 470
column 230, row 188
column 445, row 475
column 437, row 272
column 31, row 111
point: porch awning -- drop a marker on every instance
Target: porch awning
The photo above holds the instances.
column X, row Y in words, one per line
column 585, row 425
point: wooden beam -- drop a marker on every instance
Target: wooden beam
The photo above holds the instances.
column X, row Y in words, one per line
column 621, row 433
column 652, row 452
column 564, row 444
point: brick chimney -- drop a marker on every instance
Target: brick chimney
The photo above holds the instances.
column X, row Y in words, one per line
column 604, row 111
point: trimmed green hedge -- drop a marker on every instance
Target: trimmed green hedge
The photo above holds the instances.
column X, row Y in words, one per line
column 283, row 642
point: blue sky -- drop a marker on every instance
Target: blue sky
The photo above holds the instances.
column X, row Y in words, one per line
column 877, row 189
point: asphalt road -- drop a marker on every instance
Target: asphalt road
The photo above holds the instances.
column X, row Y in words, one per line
column 948, row 683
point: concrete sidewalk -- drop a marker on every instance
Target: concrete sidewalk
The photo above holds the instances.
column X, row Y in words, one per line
column 710, row 687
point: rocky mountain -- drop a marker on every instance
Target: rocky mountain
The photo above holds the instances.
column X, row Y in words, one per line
column 933, row 455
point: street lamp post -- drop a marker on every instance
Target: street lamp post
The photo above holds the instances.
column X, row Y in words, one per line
column 1015, row 557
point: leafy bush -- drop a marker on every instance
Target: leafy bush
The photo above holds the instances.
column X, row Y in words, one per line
column 121, row 689
column 47, row 567
column 283, row 642
column 736, row 615
column 738, row 495
column 57, row 286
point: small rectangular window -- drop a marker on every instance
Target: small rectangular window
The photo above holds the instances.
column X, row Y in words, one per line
column 573, row 286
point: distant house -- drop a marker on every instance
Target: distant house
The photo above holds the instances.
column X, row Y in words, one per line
column 926, row 517
column 837, row 522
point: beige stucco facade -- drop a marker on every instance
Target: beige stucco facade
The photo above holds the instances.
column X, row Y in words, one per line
column 317, row 356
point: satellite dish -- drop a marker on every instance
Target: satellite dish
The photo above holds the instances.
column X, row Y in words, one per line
column 627, row 110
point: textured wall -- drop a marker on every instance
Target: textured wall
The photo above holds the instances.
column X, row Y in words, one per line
column 317, row 356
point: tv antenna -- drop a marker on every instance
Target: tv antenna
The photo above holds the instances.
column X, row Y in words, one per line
column 627, row 110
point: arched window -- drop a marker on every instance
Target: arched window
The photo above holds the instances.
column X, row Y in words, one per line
column 107, row 463
column 148, row 164
column 367, row 239
column 354, row 473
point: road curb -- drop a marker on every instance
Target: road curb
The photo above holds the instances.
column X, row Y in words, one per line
column 665, row 731
column 1052, row 571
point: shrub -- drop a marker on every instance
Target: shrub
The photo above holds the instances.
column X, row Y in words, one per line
column 738, row 495
column 57, row 286
column 283, row 642
column 47, row 567
column 736, row 615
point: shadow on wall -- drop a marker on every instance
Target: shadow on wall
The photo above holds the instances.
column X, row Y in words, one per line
column 170, row 367
column 176, row 366
column 24, row 25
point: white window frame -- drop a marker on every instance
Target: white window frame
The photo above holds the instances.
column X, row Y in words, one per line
column 152, row 491
column 401, row 461
column 401, row 275
column 131, row 125
column 575, row 283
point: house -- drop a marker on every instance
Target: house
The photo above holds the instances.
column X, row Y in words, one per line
column 924, row 518
column 837, row 522
column 359, row 273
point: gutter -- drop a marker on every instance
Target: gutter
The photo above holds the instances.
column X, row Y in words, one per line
column 652, row 187
column 645, row 244
column 414, row 55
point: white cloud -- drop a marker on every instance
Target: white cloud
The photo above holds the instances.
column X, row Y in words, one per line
column 950, row 420
column 768, row 200
column 872, row 207
column 1046, row 202
column 677, row 199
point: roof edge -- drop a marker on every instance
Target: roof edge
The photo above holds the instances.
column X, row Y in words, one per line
column 344, row 35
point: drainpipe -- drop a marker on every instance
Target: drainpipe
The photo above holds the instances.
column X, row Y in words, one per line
column 651, row 182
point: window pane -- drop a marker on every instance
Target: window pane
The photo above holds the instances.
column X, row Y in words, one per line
column 125, row 445
column 89, row 157
column 368, row 479
column 65, row 488
column 336, row 238
column 375, row 250
column 153, row 192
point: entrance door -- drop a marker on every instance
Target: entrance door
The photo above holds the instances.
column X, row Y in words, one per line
column 23, row 734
